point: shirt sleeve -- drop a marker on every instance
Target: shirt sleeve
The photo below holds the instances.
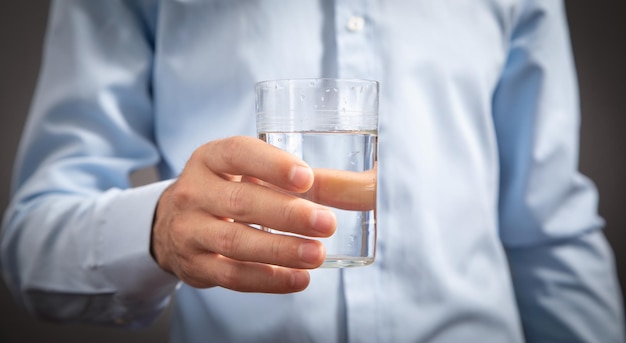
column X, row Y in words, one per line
column 75, row 238
column 562, row 268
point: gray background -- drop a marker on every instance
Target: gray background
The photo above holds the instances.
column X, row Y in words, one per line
column 598, row 32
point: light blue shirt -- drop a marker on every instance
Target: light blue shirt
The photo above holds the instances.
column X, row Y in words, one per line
column 487, row 232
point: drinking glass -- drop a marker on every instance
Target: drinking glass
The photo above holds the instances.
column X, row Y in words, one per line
column 332, row 124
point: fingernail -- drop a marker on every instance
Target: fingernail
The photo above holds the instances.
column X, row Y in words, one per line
column 324, row 222
column 301, row 177
column 311, row 252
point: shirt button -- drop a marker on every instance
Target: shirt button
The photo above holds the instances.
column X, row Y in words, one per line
column 355, row 24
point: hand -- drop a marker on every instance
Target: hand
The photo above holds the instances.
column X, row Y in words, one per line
column 200, row 231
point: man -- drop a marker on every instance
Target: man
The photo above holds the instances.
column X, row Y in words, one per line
column 486, row 230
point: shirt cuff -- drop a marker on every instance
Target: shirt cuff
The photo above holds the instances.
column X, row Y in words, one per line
column 123, row 246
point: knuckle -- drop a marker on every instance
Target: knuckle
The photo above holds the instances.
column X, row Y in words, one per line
column 227, row 241
column 229, row 276
column 276, row 248
column 237, row 200
column 183, row 195
column 186, row 273
column 179, row 231
column 198, row 154
column 290, row 212
column 231, row 149
column 192, row 273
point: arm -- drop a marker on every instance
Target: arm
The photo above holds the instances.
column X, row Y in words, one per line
column 75, row 238
column 562, row 269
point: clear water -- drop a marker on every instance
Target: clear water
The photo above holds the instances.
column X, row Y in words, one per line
column 354, row 242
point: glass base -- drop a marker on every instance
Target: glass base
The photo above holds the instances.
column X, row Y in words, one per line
column 346, row 262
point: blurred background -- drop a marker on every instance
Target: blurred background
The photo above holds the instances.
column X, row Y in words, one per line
column 597, row 29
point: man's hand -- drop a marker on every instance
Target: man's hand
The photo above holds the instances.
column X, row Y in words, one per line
column 200, row 231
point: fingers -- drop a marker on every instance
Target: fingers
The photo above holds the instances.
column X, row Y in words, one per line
column 241, row 242
column 255, row 158
column 347, row 190
column 198, row 232
column 217, row 270
column 252, row 203
column 238, row 257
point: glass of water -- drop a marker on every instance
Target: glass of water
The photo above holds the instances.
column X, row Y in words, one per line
column 332, row 124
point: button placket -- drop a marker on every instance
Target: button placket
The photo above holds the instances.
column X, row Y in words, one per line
column 354, row 48
column 355, row 23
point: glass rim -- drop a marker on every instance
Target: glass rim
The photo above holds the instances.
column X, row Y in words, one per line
column 317, row 79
